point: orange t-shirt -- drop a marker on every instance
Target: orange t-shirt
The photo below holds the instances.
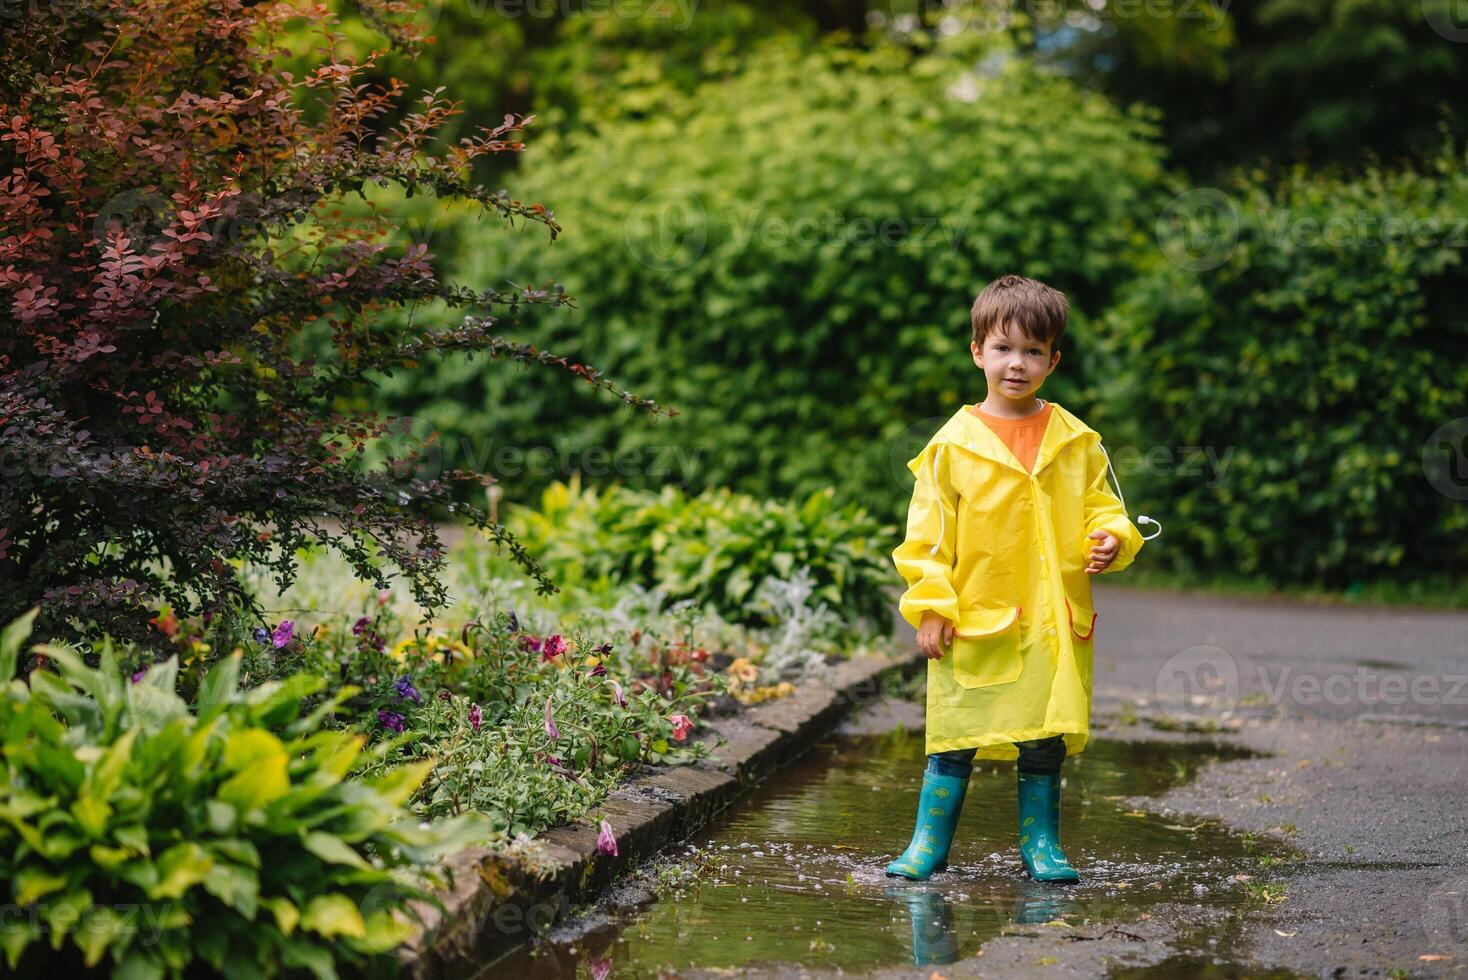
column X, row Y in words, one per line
column 1022, row 436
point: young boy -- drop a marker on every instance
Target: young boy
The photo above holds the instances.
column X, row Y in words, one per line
column 1010, row 518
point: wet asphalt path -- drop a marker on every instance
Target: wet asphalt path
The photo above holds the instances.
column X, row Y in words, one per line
column 1361, row 716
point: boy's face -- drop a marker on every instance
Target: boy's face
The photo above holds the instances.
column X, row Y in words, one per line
column 1014, row 365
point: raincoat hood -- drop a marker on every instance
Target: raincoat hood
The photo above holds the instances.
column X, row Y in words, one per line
column 967, row 432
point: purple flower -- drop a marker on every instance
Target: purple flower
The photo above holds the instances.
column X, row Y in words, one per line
column 604, row 649
column 261, row 636
column 360, row 626
column 598, row 670
column 390, row 719
column 606, row 841
column 621, row 698
column 283, row 633
column 531, row 643
column 404, row 686
column 550, row 722
column 139, row 675
column 476, row 716
column 514, row 622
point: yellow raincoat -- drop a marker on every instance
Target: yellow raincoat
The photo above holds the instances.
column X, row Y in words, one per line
column 1002, row 553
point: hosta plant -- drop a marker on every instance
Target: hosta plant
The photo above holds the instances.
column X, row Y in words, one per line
column 149, row 839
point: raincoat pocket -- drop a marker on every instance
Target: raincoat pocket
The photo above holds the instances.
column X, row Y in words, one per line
column 986, row 646
column 1082, row 621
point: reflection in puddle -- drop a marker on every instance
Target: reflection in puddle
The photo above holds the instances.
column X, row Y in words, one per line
column 794, row 873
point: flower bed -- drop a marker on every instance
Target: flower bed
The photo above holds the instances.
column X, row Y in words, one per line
column 508, row 714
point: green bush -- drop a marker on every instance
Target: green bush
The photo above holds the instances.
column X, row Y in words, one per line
column 1319, row 353
column 796, row 348
column 166, row 841
column 715, row 548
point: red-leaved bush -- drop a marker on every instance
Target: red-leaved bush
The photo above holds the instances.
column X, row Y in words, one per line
column 183, row 296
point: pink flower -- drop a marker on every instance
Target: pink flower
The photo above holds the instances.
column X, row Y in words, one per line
column 139, row 675
column 600, row 969
column 531, row 643
column 554, row 647
column 606, row 841
column 682, row 725
column 550, row 722
column 621, row 698
column 476, row 716
column 283, row 633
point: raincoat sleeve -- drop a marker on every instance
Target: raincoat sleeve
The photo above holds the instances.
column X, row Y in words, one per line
column 1104, row 511
column 925, row 557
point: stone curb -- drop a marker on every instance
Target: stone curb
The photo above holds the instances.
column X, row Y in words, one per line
column 497, row 904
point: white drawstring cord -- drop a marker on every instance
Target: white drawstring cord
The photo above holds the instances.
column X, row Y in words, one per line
column 939, row 495
column 1141, row 518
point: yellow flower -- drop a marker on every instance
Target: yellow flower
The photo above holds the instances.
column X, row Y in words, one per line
column 197, row 649
column 436, row 647
column 742, row 671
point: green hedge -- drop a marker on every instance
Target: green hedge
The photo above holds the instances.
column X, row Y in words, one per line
column 798, row 364
column 1321, row 355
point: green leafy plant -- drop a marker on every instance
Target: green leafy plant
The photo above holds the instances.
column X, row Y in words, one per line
column 714, row 548
column 235, row 836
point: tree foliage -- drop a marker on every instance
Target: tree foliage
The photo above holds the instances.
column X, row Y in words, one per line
column 184, row 295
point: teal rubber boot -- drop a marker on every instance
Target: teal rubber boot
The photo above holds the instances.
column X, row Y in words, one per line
column 939, row 804
column 1039, row 829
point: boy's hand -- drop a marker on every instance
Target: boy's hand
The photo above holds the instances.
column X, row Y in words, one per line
column 1103, row 554
column 934, row 633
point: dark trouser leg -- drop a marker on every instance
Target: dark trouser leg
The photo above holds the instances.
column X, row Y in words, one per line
column 1041, row 756
column 955, row 762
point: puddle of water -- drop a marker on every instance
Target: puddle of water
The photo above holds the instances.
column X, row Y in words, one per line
column 794, row 873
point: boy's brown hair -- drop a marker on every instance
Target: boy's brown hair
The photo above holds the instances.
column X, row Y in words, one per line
column 1037, row 309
